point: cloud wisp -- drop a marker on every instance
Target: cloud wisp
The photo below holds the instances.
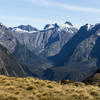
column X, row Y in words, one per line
column 20, row 18
column 64, row 6
column 17, row 20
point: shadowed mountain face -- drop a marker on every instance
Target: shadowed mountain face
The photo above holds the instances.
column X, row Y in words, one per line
column 32, row 64
column 79, row 58
column 7, row 39
column 69, row 47
column 8, row 65
column 93, row 79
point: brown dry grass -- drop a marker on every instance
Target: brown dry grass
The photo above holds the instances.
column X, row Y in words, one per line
column 12, row 88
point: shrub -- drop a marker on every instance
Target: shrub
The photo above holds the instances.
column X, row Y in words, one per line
column 94, row 93
column 11, row 98
column 49, row 86
column 78, row 84
column 29, row 88
column 62, row 82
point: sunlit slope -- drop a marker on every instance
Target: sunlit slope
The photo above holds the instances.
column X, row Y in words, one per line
column 12, row 88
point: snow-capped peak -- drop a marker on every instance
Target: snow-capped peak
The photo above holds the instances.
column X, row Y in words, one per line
column 19, row 30
column 50, row 26
column 22, row 31
column 67, row 25
column 89, row 26
column 1, row 24
column 98, row 34
column 27, row 28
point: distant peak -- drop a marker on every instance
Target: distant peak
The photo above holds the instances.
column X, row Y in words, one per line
column 68, row 23
column 2, row 26
column 1, row 23
column 50, row 26
column 24, row 29
column 97, row 25
column 27, row 28
column 88, row 26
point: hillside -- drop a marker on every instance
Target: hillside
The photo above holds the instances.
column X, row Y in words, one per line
column 58, row 52
column 12, row 88
column 80, row 57
column 93, row 79
column 31, row 64
column 48, row 41
column 8, row 65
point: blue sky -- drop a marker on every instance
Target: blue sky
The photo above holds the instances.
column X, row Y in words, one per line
column 41, row 12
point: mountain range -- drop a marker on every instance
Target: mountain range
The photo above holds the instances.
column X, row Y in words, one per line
column 58, row 52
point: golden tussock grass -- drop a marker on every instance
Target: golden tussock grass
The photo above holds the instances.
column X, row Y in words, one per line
column 12, row 88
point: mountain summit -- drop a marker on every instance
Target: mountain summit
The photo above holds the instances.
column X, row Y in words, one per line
column 48, row 41
column 24, row 29
column 69, row 23
column 27, row 28
column 50, row 26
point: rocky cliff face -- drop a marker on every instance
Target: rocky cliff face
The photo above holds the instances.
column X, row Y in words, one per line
column 55, row 53
column 7, row 39
column 79, row 58
column 49, row 41
column 8, row 65
column 23, row 41
column 32, row 64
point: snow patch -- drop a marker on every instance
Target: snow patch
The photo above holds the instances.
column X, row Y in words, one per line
column 51, row 26
column 88, row 26
column 67, row 26
column 98, row 34
column 22, row 31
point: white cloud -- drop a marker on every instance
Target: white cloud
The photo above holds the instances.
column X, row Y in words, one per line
column 63, row 6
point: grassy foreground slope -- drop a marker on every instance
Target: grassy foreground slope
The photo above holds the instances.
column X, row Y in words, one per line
column 12, row 88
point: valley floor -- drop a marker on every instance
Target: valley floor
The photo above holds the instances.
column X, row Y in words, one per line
column 12, row 88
